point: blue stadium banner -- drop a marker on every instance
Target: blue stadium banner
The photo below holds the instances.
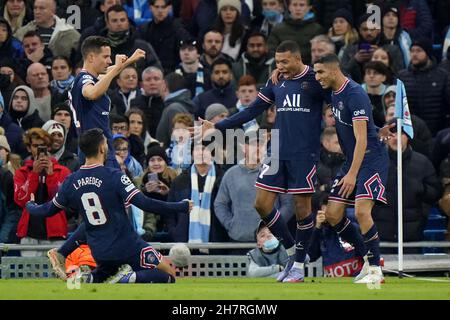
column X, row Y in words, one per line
column 402, row 109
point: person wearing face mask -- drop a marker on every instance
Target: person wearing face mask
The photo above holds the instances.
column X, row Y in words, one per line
column 269, row 256
column 272, row 14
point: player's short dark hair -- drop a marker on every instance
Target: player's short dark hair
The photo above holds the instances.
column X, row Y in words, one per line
column 329, row 58
column 288, row 46
column 90, row 142
column 115, row 8
column 175, row 82
column 221, row 61
column 94, row 45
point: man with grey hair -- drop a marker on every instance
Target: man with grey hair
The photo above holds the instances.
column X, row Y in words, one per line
column 59, row 36
column 153, row 88
column 321, row 46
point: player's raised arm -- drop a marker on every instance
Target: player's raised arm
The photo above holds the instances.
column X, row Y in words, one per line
column 93, row 91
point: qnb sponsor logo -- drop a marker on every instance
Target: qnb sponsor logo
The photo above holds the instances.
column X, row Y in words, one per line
column 358, row 113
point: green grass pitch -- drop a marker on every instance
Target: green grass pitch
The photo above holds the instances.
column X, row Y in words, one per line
column 229, row 288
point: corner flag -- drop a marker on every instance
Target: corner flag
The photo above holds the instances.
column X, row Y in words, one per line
column 402, row 109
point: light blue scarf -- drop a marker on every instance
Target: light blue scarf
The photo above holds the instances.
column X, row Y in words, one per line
column 200, row 216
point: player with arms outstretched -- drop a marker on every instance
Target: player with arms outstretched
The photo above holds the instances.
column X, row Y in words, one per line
column 89, row 102
column 363, row 176
column 299, row 99
column 101, row 194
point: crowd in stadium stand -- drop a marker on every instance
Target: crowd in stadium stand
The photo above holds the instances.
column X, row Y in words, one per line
column 208, row 58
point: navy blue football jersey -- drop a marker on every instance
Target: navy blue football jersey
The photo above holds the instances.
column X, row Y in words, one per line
column 299, row 102
column 351, row 103
column 101, row 194
column 90, row 114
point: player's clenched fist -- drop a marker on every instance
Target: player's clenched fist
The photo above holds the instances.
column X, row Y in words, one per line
column 137, row 55
column 120, row 60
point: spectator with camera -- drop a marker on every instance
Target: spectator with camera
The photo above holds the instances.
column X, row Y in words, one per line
column 41, row 175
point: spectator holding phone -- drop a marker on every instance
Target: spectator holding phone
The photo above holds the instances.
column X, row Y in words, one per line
column 41, row 175
column 156, row 183
column 358, row 54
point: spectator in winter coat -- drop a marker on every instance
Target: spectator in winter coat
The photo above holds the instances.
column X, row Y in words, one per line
column 423, row 190
column 393, row 34
column 222, row 91
column 195, row 74
column 59, row 36
column 342, row 32
column 300, row 26
column 23, row 109
column 164, row 33
column 9, row 45
column 17, row 12
column 123, row 38
column 358, row 54
column 13, row 132
column 126, row 91
column 255, row 61
column 427, row 87
column 273, row 14
column 150, row 101
column 41, row 176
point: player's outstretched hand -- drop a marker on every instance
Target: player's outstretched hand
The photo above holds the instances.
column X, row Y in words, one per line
column 385, row 133
column 198, row 132
column 275, row 76
column 347, row 184
column 137, row 55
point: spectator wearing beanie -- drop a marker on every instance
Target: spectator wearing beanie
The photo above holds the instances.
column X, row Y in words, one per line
column 63, row 114
column 206, row 14
column 231, row 27
column 342, row 32
column 393, row 34
column 158, row 188
column 57, row 132
column 427, row 87
column 216, row 112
